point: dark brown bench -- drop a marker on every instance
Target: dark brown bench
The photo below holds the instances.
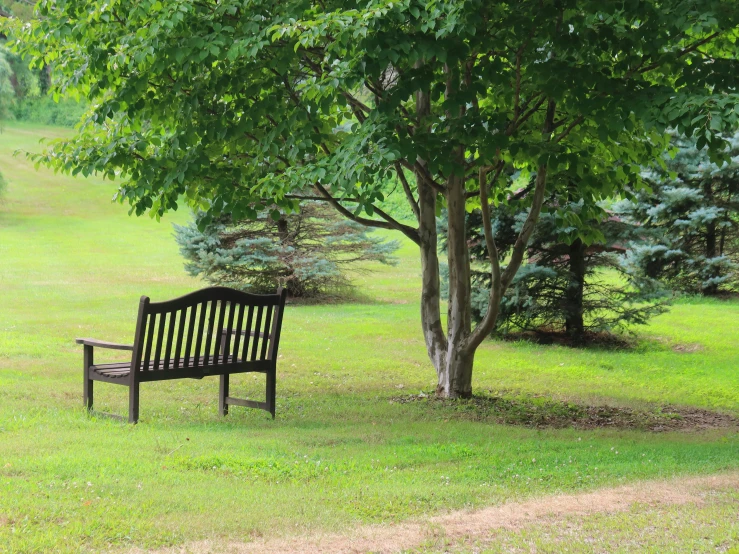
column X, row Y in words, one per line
column 214, row 331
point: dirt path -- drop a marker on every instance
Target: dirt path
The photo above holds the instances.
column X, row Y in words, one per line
column 478, row 524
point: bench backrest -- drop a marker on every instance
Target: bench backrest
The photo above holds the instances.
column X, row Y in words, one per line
column 217, row 327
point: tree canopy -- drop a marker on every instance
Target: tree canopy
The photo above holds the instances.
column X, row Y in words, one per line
column 239, row 106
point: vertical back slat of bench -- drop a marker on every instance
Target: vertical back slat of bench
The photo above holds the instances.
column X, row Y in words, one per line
column 160, row 341
column 247, row 333
column 170, row 337
column 149, row 339
column 274, row 335
column 199, row 339
column 210, row 331
column 139, row 339
column 193, row 310
column 237, row 334
column 265, row 333
column 218, row 332
column 229, row 332
column 180, row 334
column 257, row 327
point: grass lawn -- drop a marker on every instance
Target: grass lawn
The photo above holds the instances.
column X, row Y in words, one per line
column 340, row 453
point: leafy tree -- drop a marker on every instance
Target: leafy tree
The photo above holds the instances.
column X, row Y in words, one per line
column 307, row 252
column 7, row 94
column 24, row 81
column 245, row 106
column 691, row 211
column 567, row 284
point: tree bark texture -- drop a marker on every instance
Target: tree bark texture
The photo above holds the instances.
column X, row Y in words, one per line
column 455, row 376
column 574, row 324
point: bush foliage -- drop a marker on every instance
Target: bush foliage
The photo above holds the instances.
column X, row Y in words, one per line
column 44, row 110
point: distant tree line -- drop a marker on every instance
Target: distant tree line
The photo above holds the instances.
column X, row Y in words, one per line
column 25, row 92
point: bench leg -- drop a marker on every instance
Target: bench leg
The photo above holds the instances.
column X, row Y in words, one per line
column 87, row 391
column 271, row 385
column 222, row 395
column 133, row 403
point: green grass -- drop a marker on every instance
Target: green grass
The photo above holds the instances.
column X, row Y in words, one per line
column 339, row 453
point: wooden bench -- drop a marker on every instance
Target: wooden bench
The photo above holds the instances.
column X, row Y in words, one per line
column 214, row 331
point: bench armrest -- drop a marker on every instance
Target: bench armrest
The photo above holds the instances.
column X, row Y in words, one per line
column 103, row 344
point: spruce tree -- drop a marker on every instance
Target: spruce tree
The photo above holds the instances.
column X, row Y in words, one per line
column 575, row 280
column 307, row 252
column 691, row 214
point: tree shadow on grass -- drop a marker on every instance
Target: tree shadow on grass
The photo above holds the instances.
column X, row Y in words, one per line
column 542, row 412
column 592, row 340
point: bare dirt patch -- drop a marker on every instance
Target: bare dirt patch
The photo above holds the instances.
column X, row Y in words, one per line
column 543, row 412
column 471, row 525
column 687, row 348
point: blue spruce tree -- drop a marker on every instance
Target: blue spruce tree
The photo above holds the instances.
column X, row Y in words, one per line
column 691, row 216
column 307, row 252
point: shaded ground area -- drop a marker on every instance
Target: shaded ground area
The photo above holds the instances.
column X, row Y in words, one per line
column 541, row 412
column 590, row 339
column 459, row 530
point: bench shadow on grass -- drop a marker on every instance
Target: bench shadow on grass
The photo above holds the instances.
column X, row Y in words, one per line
column 542, row 412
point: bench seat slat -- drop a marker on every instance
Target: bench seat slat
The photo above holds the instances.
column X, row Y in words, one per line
column 210, row 366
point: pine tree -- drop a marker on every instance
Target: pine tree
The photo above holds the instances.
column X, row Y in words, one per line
column 691, row 215
column 307, row 252
column 568, row 285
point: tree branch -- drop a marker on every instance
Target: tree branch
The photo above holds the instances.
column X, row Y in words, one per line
column 516, row 123
column 389, row 222
column 519, row 248
column 487, row 324
column 408, row 192
column 575, row 122
column 684, row 52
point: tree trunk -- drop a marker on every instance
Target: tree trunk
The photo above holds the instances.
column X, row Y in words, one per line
column 711, row 239
column 452, row 361
column 433, row 331
column 574, row 324
column 455, row 376
column 45, row 79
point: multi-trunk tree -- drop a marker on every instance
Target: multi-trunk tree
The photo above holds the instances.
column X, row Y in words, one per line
column 243, row 106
